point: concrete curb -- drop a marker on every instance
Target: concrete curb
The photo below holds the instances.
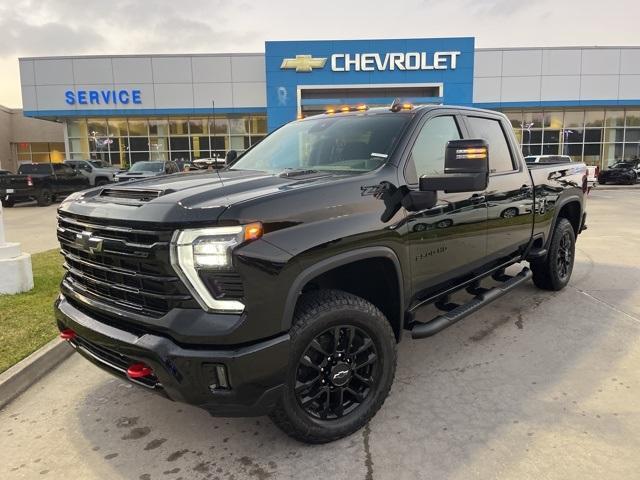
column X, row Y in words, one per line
column 25, row 373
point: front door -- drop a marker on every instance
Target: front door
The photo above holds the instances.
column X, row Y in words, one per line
column 449, row 239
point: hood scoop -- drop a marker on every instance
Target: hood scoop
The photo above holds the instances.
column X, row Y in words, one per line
column 139, row 194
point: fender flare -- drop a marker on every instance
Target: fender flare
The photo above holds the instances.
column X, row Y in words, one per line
column 558, row 206
column 337, row 261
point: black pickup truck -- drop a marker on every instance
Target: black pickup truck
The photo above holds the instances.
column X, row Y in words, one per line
column 43, row 182
column 281, row 283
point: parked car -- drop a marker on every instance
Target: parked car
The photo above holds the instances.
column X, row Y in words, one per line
column 549, row 159
column 97, row 172
column 281, row 284
column 145, row 169
column 592, row 170
column 622, row 172
column 5, row 172
column 209, row 163
column 43, row 182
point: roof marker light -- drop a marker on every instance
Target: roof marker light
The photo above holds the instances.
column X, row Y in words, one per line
column 345, row 108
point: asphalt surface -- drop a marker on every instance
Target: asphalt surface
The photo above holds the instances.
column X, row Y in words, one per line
column 537, row 385
column 33, row 227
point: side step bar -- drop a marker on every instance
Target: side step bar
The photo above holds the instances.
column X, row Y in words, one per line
column 439, row 323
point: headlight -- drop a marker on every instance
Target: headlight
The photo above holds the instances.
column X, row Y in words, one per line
column 209, row 249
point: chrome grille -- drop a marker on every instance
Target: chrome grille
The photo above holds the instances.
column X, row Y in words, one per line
column 124, row 267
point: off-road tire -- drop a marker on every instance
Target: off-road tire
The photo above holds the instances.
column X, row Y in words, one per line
column 316, row 312
column 45, row 198
column 547, row 272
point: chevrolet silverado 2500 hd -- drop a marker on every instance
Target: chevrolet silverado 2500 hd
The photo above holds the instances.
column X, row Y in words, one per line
column 281, row 283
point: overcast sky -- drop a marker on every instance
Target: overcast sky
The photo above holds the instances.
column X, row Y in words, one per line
column 84, row 27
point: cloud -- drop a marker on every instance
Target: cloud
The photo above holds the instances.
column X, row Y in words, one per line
column 20, row 37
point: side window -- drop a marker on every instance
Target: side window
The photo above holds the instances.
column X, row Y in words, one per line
column 427, row 154
column 61, row 168
column 489, row 129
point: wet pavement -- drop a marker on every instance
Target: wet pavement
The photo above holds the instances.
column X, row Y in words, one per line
column 536, row 385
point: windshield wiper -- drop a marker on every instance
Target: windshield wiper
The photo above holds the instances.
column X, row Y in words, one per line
column 296, row 172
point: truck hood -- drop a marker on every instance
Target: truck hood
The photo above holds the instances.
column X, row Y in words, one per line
column 192, row 197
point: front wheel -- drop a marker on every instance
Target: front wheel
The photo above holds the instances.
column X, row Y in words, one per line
column 554, row 271
column 341, row 367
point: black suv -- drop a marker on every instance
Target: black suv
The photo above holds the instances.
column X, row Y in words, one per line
column 281, row 283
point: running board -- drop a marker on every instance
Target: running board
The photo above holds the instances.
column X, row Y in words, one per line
column 439, row 323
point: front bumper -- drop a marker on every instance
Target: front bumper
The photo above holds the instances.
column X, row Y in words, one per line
column 255, row 372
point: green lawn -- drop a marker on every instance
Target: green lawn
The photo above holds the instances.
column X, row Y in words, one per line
column 26, row 319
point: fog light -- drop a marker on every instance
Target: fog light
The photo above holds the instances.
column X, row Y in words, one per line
column 216, row 376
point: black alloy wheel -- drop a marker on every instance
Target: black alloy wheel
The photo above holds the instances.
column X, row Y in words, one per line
column 554, row 271
column 342, row 361
column 564, row 256
column 336, row 372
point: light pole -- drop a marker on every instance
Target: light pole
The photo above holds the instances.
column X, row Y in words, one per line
column 527, row 126
column 565, row 135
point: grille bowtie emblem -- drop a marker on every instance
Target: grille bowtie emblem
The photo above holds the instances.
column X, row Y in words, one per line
column 88, row 243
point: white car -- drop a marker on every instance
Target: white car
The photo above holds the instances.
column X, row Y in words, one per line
column 592, row 170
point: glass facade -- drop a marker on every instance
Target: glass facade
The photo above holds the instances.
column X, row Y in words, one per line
column 596, row 136
column 39, row 152
column 124, row 141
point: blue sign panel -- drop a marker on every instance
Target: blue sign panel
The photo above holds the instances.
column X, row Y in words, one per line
column 446, row 63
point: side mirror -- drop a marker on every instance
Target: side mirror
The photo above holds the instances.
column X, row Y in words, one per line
column 466, row 168
column 231, row 156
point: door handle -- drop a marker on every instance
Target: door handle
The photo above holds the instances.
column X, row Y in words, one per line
column 476, row 198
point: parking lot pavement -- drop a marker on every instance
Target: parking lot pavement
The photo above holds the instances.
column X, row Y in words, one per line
column 33, row 227
column 536, row 385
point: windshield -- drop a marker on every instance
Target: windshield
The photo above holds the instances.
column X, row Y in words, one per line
column 352, row 144
column 155, row 167
column 30, row 168
column 99, row 164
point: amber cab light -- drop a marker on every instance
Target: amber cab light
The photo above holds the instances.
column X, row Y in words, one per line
column 253, row 231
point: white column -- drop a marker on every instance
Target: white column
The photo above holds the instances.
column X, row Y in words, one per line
column 15, row 267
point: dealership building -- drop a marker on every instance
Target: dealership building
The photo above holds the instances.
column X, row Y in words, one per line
column 579, row 101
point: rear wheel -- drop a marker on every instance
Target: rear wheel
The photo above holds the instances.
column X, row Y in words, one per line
column 342, row 364
column 45, row 198
column 554, row 271
column 8, row 202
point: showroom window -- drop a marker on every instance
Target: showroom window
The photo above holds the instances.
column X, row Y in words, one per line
column 596, row 136
column 123, row 141
column 40, row 152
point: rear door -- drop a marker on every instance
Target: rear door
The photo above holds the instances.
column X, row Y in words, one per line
column 510, row 191
column 449, row 239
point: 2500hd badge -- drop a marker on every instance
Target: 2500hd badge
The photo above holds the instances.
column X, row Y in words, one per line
column 280, row 285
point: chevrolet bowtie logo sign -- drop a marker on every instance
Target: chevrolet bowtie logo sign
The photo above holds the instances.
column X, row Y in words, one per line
column 303, row 63
column 87, row 242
